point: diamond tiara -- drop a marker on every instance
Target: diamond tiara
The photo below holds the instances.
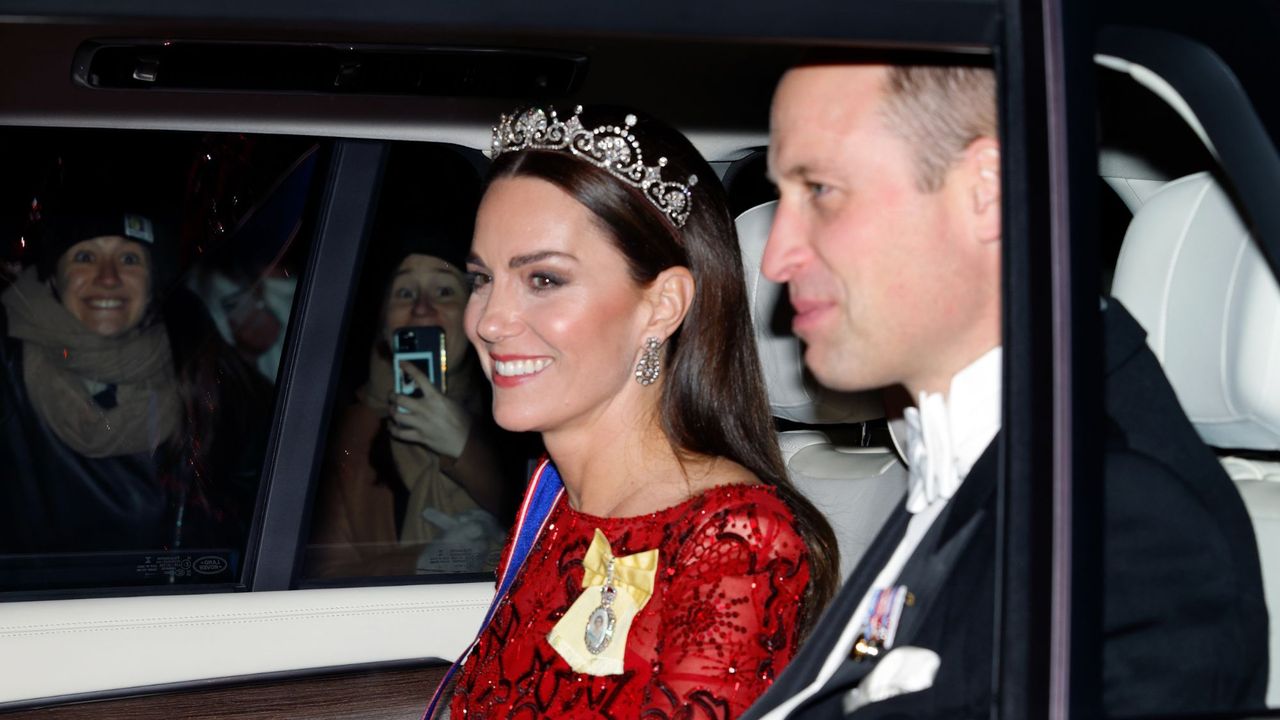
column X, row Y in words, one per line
column 609, row 147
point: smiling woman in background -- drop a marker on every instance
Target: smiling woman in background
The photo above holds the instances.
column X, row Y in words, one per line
column 677, row 570
column 125, row 423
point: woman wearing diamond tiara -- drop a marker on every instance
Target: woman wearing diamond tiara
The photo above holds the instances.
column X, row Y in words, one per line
column 662, row 565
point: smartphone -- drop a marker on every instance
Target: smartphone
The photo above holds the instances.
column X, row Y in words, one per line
column 424, row 347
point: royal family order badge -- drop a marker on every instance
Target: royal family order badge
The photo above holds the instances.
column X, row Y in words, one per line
column 592, row 634
column 601, row 623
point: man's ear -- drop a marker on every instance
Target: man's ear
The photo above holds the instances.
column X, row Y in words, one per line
column 670, row 295
column 982, row 162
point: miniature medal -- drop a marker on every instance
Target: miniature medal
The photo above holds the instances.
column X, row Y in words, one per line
column 601, row 621
column 880, row 626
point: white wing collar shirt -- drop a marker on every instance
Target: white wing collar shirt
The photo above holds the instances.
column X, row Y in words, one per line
column 945, row 437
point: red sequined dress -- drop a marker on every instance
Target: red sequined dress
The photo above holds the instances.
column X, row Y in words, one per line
column 721, row 624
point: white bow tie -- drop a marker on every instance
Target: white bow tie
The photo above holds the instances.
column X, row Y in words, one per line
column 930, row 454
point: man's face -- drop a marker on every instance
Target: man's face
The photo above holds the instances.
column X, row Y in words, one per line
column 882, row 275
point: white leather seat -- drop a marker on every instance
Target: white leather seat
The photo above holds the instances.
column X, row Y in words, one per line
column 855, row 487
column 1192, row 275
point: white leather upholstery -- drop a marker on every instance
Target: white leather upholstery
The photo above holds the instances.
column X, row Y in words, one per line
column 1194, row 278
column 1259, row 484
column 856, row 488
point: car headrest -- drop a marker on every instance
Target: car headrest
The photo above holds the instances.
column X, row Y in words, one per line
column 793, row 393
column 1191, row 274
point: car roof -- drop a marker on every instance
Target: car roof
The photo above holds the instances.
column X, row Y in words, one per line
column 707, row 68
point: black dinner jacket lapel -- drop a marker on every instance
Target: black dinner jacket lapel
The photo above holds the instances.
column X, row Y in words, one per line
column 940, row 551
column 929, row 567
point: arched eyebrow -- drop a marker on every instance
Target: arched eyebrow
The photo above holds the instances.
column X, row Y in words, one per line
column 522, row 260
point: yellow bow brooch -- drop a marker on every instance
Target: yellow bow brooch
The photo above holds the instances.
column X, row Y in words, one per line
column 592, row 635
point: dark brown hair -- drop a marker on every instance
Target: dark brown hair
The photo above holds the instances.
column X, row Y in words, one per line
column 714, row 401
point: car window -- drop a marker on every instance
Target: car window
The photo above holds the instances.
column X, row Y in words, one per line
column 148, row 285
column 1183, row 249
column 417, row 479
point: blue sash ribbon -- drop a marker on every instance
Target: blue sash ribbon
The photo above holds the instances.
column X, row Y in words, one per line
column 544, row 491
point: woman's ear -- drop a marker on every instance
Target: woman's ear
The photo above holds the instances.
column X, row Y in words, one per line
column 669, row 295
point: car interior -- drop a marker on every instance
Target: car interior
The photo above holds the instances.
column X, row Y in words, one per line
column 1190, row 271
column 1175, row 246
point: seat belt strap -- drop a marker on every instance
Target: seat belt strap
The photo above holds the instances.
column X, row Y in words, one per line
column 540, row 498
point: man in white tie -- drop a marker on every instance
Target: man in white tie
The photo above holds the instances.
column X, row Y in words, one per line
column 888, row 235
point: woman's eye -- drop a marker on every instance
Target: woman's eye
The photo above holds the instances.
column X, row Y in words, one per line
column 131, row 259
column 476, row 279
column 446, row 291
column 83, row 256
column 544, row 281
column 404, row 293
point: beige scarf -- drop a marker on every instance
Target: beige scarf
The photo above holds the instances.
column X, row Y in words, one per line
column 60, row 358
column 419, row 467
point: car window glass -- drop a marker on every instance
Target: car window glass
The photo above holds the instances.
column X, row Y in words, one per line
column 417, row 480
column 1190, row 482
column 148, row 283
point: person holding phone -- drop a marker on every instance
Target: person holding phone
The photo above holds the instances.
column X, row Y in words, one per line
column 677, row 568
column 414, row 483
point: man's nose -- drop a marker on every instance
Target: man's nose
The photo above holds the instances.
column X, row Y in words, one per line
column 786, row 250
